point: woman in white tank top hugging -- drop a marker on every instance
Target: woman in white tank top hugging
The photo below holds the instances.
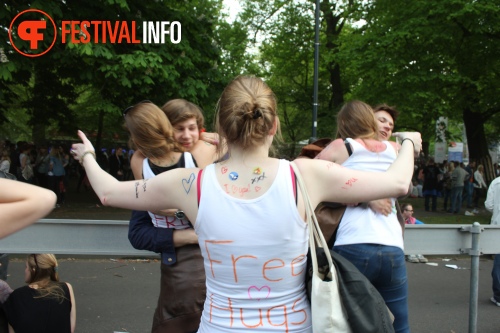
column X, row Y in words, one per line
column 251, row 230
column 371, row 240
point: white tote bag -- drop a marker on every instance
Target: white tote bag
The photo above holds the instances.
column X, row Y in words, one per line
column 328, row 313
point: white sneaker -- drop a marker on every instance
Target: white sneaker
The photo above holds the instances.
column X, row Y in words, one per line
column 467, row 213
column 421, row 258
column 412, row 258
column 494, row 301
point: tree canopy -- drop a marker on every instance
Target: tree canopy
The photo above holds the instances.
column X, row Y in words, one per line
column 427, row 58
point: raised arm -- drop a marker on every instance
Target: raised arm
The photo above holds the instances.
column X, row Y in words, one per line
column 175, row 188
column 22, row 204
column 204, row 153
column 357, row 186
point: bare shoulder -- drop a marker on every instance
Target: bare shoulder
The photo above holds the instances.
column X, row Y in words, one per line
column 335, row 151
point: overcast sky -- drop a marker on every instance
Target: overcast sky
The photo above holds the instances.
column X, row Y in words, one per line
column 232, row 7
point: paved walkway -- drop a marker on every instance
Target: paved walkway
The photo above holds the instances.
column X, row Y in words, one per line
column 115, row 295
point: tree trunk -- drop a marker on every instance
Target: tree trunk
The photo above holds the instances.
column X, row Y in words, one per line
column 333, row 30
column 38, row 133
column 476, row 141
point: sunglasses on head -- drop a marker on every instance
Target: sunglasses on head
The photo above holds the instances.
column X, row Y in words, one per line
column 133, row 106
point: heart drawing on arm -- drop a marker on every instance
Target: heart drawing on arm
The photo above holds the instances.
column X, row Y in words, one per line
column 187, row 183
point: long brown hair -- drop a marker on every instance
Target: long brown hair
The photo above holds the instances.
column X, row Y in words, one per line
column 43, row 272
column 150, row 131
column 356, row 120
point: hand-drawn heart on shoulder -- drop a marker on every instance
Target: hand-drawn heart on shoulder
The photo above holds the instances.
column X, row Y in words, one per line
column 259, row 293
column 187, row 183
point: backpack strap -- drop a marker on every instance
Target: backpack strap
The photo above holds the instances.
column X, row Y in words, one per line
column 348, row 147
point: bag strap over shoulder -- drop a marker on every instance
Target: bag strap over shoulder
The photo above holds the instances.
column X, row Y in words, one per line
column 316, row 238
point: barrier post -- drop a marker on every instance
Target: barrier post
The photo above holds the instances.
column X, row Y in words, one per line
column 474, row 252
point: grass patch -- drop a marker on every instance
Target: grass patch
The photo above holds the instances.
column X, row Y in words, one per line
column 442, row 217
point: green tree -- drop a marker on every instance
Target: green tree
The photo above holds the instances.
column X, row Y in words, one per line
column 430, row 58
column 113, row 75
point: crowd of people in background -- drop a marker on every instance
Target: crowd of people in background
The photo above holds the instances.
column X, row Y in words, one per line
column 51, row 167
column 458, row 184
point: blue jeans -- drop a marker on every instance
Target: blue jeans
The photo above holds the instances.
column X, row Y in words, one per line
column 385, row 267
column 456, row 199
column 468, row 190
column 495, row 274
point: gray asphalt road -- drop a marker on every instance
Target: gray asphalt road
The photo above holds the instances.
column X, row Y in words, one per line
column 120, row 296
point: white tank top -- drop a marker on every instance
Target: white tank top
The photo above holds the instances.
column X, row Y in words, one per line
column 160, row 221
column 255, row 258
column 362, row 225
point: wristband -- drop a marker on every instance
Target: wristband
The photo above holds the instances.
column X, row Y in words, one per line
column 413, row 143
column 92, row 153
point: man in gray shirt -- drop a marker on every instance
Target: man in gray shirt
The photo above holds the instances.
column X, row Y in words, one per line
column 457, row 186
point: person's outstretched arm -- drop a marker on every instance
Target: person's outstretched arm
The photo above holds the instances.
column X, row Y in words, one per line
column 22, row 204
column 174, row 188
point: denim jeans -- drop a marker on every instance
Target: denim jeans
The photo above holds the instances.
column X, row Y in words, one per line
column 434, row 202
column 468, row 190
column 385, row 267
column 447, row 196
column 495, row 274
column 456, row 198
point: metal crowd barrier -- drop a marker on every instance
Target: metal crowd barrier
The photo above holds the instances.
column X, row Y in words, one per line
column 110, row 238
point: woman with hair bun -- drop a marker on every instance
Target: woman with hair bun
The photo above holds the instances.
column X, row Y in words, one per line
column 249, row 219
column 45, row 304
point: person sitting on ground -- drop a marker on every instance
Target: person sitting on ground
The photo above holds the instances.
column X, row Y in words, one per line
column 409, row 219
column 5, row 291
column 45, row 304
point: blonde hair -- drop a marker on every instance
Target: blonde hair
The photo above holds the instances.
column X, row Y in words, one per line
column 246, row 112
column 5, row 156
column 179, row 110
column 150, row 130
column 356, row 120
column 43, row 271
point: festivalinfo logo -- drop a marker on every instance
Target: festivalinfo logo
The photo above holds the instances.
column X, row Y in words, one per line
column 39, row 31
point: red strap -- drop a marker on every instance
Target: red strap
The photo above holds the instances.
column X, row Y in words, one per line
column 198, row 186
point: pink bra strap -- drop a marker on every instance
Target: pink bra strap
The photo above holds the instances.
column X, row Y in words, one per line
column 294, row 183
column 198, row 182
